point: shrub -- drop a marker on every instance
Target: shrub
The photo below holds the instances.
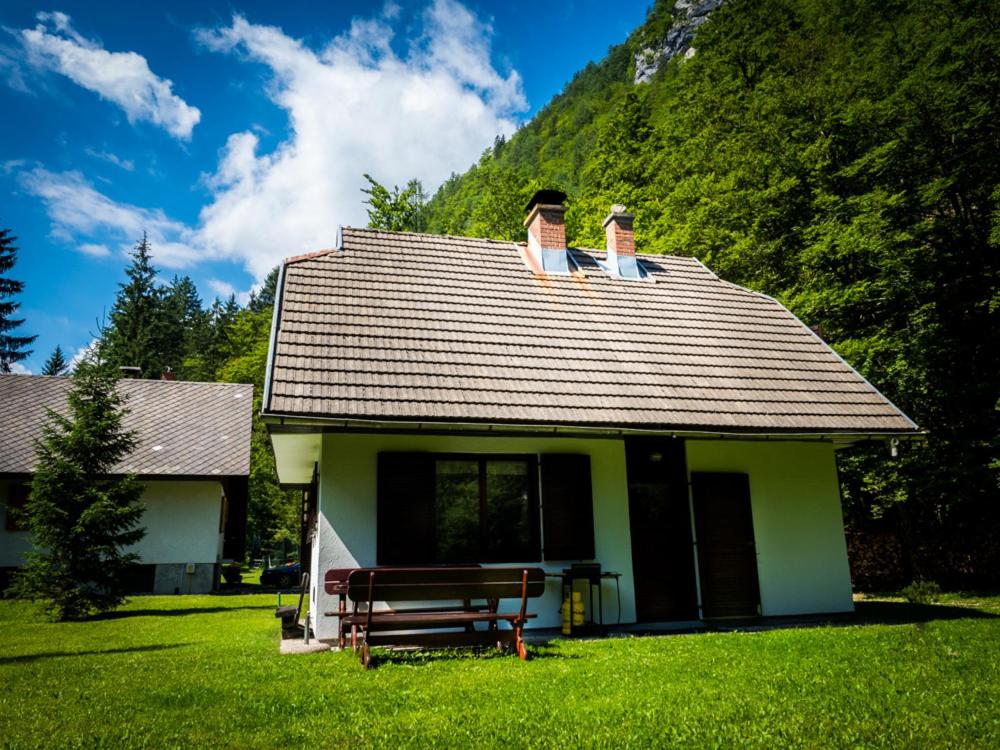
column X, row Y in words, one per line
column 921, row 592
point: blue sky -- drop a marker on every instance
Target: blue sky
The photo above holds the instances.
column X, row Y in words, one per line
column 236, row 133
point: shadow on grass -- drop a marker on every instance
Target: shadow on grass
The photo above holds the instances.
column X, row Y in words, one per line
column 180, row 612
column 865, row 613
column 901, row 613
column 24, row 658
column 422, row 657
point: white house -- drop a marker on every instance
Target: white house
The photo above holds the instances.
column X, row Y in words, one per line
column 458, row 400
column 193, row 458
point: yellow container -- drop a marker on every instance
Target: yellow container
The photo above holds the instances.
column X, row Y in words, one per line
column 567, row 628
column 577, row 609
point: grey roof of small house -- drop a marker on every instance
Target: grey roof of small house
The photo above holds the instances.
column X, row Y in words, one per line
column 420, row 328
column 184, row 429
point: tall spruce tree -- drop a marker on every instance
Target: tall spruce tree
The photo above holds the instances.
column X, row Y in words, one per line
column 82, row 516
column 56, row 364
column 138, row 334
column 12, row 348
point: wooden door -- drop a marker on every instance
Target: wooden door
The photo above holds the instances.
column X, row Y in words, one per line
column 660, row 523
column 727, row 553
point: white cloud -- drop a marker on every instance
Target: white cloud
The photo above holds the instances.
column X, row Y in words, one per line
column 355, row 106
column 94, row 249
column 83, row 353
column 120, row 77
column 221, row 289
column 77, row 210
column 16, row 368
column 127, row 164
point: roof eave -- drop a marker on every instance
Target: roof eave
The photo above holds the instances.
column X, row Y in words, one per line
column 278, row 423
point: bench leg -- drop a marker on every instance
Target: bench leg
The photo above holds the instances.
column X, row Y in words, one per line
column 366, row 657
column 522, row 649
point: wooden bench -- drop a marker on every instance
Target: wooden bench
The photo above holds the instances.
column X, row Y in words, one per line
column 396, row 585
column 335, row 584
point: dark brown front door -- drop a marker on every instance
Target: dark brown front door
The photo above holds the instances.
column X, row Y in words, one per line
column 660, row 522
column 727, row 554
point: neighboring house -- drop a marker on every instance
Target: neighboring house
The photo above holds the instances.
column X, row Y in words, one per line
column 451, row 400
column 193, row 458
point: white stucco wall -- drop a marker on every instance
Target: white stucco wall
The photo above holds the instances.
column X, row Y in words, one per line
column 181, row 520
column 802, row 555
column 797, row 517
column 347, row 518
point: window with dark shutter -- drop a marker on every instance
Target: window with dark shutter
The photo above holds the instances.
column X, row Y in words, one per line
column 567, row 507
column 457, row 508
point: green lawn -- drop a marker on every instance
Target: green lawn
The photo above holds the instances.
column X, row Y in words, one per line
column 204, row 671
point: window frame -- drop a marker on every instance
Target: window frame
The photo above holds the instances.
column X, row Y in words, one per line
column 534, row 506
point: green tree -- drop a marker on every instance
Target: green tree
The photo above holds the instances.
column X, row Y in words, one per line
column 273, row 513
column 81, row 516
column 264, row 299
column 12, row 348
column 56, row 364
column 396, row 210
column 138, row 333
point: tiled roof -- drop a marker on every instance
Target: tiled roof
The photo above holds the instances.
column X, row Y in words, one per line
column 184, row 429
column 420, row 328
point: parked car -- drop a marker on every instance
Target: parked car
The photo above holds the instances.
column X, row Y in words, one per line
column 282, row 576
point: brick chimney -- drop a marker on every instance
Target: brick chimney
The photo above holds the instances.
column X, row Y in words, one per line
column 168, row 374
column 621, row 243
column 547, row 232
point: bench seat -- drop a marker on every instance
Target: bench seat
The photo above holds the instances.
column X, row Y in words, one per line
column 423, row 619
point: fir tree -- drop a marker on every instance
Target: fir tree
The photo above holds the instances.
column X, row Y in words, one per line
column 82, row 517
column 56, row 364
column 264, row 299
column 12, row 348
column 138, row 333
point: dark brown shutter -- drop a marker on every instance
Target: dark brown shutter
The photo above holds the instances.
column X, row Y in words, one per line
column 405, row 509
column 567, row 507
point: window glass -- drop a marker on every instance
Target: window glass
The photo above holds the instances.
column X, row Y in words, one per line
column 508, row 522
column 457, row 501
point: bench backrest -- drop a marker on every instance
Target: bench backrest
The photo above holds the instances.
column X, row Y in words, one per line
column 429, row 584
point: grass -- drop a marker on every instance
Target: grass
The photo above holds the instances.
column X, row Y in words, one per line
column 204, row 671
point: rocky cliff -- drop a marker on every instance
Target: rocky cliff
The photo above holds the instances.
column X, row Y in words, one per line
column 688, row 15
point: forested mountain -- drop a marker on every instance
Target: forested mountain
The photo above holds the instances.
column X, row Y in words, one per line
column 843, row 157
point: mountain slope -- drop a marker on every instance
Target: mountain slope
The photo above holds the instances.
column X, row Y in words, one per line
column 841, row 157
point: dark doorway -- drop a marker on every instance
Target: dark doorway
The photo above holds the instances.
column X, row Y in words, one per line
column 727, row 554
column 660, row 522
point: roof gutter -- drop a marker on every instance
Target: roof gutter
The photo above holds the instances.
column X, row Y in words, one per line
column 272, row 344
column 278, row 423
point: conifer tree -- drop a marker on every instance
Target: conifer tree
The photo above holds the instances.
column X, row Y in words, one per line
column 82, row 517
column 56, row 364
column 12, row 348
column 137, row 335
column 264, row 299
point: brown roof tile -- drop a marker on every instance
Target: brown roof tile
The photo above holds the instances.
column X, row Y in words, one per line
column 409, row 327
column 184, row 429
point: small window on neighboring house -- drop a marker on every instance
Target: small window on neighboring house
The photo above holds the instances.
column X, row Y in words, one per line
column 17, row 498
